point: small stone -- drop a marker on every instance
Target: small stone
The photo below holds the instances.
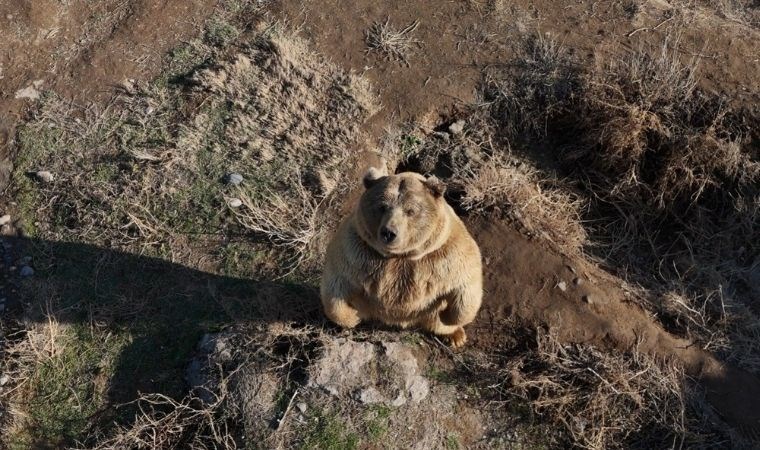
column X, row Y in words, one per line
column 234, row 178
column 588, row 299
column 370, row 396
column 301, row 407
column 562, row 286
column 577, row 281
column 31, row 92
column 399, row 401
column 4, row 380
column 456, row 127
column 234, row 202
column 570, row 268
column 44, row 176
column 442, row 135
column 5, row 219
column 26, row 271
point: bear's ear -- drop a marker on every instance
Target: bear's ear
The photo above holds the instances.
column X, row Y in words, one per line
column 436, row 186
column 372, row 176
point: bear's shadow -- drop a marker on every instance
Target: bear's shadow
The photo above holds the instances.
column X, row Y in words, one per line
column 159, row 309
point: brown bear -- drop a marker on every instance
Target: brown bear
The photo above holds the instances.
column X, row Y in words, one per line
column 403, row 258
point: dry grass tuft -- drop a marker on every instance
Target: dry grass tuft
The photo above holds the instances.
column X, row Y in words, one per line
column 391, row 43
column 165, row 423
column 604, row 400
column 541, row 209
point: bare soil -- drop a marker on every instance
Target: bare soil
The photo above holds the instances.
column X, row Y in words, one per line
column 82, row 50
column 459, row 39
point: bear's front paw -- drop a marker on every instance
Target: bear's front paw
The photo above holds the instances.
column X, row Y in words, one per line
column 458, row 338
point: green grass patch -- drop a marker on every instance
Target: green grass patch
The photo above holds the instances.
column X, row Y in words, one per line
column 68, row 388
column 330, row 433
column 376, row 421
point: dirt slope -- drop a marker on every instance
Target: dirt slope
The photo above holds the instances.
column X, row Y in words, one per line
column 583, row 304
column 81, row 50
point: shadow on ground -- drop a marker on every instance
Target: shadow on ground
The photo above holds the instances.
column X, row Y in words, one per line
column 147, row 313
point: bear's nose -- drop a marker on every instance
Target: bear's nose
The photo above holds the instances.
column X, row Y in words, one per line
column 387, row 235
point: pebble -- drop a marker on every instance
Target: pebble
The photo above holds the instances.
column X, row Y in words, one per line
column 456, row 127
column 26, row 271
column 234, row 202
column 44, row 176
column 5, row 219
column 562, row 286
column 4, row 380
column 234, row 178
column 588, row 299
column 301, row 407
column 577, row 281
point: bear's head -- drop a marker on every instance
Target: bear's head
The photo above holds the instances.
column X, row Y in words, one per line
column 402, row 214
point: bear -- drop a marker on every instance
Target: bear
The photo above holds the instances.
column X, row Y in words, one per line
column 403, row 258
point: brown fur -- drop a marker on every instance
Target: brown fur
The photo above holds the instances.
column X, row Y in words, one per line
column 430, row 276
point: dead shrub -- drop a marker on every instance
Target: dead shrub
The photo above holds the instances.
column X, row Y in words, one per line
column 391, row 43
column 523, row 191
column 604, row 400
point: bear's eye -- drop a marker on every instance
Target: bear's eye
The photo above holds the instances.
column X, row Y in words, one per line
column 382, row 209
column 410, row 212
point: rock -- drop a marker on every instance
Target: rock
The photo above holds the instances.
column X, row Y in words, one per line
column 4, row 380
column 44, row 176
column 31, row 92
column 233, row 178
column 562, row 286
column 370, row 396
column 342, row 367
column 5, row 219
column 456, row 127
column 234, row 202
column 587, row 298
column 399, row 401
column 577, row 281
column 301, row 407
column 442, row 135
column 418, row 388
column 370, row 374
column 26, row 271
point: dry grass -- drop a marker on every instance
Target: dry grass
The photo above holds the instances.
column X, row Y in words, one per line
column 165, row 423
column 540, row 208
column 485, row 177
column 667, row 173
column 391, row 43
column 604, row 400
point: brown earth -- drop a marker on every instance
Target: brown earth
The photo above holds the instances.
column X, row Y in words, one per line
column 82, row 49
column 458, row 39
column 580, row 303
